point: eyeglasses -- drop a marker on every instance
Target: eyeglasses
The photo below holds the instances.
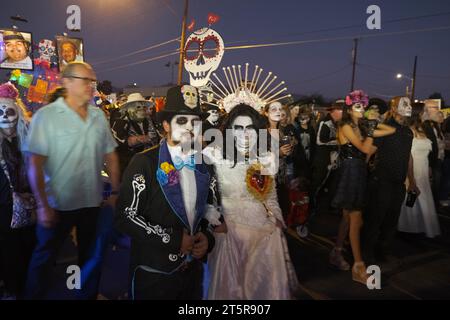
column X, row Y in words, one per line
column 85, row 79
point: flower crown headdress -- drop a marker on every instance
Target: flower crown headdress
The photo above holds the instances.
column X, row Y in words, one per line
column 357, row 96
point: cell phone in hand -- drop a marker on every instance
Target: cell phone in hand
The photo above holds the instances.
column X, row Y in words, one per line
column 411, row 199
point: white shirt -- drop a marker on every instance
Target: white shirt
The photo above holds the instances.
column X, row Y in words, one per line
column 187, row 183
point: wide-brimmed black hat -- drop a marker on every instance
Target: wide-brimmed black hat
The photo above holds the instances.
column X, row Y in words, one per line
column 182, row 100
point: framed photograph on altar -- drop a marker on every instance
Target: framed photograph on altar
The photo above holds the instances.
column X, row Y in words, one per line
column 69, row 50
column 16, row 50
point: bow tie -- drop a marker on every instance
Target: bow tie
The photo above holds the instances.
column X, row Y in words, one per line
column 188, row 162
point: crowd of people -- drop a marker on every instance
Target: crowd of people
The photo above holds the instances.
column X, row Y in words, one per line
column 385, row 167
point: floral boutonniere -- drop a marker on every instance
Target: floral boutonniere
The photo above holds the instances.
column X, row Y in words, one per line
column 167, row 174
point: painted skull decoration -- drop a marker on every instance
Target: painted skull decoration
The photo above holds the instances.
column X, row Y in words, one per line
column 190, row 96
column 46, row 50
column 203, row 52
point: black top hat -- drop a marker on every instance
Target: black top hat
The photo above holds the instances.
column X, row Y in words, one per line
column 182, row 100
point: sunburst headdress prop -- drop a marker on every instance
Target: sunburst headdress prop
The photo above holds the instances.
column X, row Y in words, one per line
column 238, row 88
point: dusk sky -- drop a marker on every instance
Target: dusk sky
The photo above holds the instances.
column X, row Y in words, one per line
column 112, row 28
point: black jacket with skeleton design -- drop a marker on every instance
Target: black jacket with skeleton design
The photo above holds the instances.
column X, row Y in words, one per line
column 152, row 213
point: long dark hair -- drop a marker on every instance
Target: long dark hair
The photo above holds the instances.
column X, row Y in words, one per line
column 416, row 117
column 346, row 117
column 241, row 110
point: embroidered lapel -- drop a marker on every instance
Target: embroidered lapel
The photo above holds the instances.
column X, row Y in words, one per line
column 173, row 194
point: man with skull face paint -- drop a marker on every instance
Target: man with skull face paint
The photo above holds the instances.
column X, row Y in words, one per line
column 162, row 203
column 393, row 164
column 134, row 131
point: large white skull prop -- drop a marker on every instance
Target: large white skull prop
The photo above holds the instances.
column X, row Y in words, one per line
column 203, row 52
column 8, row 113
column 190, row 96
column 46, row 50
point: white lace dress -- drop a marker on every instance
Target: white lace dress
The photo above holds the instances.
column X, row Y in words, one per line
column 251, row 261
column 421, row 218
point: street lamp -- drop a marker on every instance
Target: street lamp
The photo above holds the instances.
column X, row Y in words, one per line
column 400, row 76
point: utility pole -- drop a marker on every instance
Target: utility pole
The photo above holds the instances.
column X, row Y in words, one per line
column 355, row 53
column 413, row 89
column 183, row 39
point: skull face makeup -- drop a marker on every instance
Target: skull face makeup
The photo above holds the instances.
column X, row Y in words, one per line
column 137, row 111
column 275, row 111
column 304, row 119
column 244, row 133
column 204, row 51
column 185, row 129
column 8, row 113
column 358, row 108
column 213, row 116
column 46, row 50
column 404, row 107
column 190, row 96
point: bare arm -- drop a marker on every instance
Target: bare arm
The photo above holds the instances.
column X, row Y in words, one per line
column 36, row 178
column 46, row 216
column 112, row 168
column 412, row 181
column 136, row 140
column 383, row 130
column 364, row 146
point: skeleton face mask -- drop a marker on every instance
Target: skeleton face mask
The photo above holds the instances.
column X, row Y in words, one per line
column 46, row 50
column 204, row 50
column 8, row 114
column 404, row 107
column 137, row 111
column 357, row 107
column 190, row 96
column 213, row 116
column 275, row 111
column 244, row 133
column 304, row 119
column 185, row 129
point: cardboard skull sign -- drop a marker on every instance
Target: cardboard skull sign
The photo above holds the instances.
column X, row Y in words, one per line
column 203, row 52
column 47, row 50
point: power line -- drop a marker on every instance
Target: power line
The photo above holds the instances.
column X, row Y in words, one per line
column 349, row 26
column 141, row 62
column 284, row 43
column 275, row 44
column 171, row 9
column 136, row 52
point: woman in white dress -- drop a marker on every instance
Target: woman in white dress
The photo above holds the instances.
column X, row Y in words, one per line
column 250, row 260
column 422, row 217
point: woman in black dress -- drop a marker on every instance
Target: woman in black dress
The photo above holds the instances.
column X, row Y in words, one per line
column 352, row 176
